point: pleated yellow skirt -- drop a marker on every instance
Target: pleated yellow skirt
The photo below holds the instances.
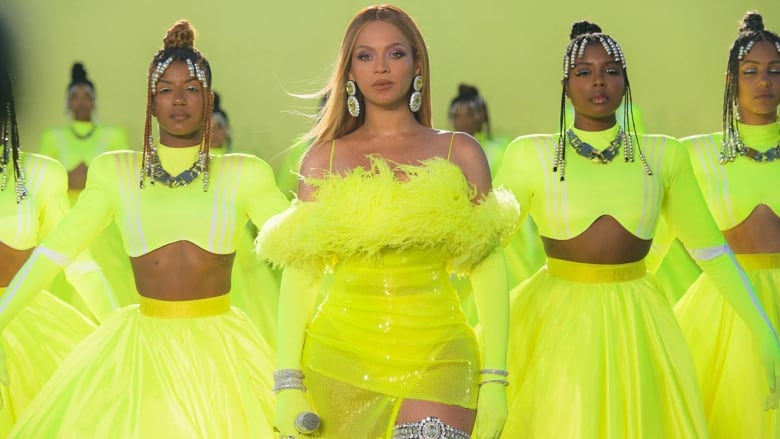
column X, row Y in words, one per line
column 189, row 369
column 35, row 343
column 731, row 375
column 596, row 352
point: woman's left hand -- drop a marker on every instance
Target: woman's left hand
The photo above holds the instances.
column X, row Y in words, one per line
column 491, row 411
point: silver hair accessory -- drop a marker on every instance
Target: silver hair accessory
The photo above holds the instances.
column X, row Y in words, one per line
column 158, row 71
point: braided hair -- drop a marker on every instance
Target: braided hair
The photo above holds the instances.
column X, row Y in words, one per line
column 751, row 30
column 178, row 45
column 584, row 33
column 469, row 97
column 9, row 137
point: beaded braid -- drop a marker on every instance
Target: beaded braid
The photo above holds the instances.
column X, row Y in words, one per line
column 751, row 31
column 584, row 33
column 200, row 69
column 9, row 137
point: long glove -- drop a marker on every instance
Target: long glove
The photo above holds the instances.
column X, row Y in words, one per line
column 720, row 265
column 3, row 372
column 297, row 298
column 492, row 300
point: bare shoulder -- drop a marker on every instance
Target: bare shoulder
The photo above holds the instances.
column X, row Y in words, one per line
column 467, row 153
column 316, row 160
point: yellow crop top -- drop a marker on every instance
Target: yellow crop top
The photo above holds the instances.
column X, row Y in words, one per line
column 81, row 142
column 734, row 190
column 565, row 209
column 241, row 188
column 22, row 225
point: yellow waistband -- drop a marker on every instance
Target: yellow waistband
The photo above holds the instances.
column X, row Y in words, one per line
column 758, row 261
column 595, row 273
column 182, row 309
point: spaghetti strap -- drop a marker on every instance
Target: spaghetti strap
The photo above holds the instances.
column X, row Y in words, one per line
column 452, row 140
column 332, row 149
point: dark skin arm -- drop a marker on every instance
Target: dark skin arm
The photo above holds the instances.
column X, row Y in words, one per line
column 182, row 271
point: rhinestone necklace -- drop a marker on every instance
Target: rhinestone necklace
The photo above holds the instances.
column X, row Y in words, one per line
column 589, row 152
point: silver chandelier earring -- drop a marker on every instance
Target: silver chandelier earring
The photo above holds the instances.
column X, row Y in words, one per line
column 415, row 100
column 353, row 105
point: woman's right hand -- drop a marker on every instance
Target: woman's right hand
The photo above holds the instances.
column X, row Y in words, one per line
column 289, row 404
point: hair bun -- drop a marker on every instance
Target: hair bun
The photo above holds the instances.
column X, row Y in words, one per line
column 78, row 73
column 582, row 28
column 467, row 91
column 180, row 35
column 752, row 22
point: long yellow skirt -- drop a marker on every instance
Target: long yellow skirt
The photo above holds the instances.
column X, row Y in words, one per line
column 596, row 352
column 173, row 370
column 388, row 331
column 35, row 343
column 731, row 375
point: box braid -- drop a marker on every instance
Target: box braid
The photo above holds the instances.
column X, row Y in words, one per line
column 751, row 30
column 9, row 137
column 178, row 45
column 583, row 33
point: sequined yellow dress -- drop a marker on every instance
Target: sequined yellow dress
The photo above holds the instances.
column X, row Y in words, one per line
column 731, row 376
column 390, row 326
column 161, row 369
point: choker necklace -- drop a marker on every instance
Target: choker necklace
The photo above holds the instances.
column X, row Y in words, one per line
column 85, row 136
column 767, row 156
column 586, row 150
column 160, row 175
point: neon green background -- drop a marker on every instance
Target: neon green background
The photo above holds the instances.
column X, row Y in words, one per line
column 263, row 51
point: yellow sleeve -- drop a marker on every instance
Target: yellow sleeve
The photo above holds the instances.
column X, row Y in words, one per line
column 48, row 145
column 265, row 198
column 62, row 247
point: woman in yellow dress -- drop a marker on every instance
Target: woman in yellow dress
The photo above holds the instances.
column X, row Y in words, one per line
column 738, row 177
column 595, row 347
column 33, row 199
column 390, row 206
column 183, row 363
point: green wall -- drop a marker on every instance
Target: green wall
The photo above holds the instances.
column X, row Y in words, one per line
column 262, row 52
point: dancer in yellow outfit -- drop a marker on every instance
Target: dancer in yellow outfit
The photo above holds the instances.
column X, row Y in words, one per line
column 524, row 254
column 595, row 347
column 183, row 363
column 75, row 145
column 738, row 173
column 390, row 205
column 33, row 199
column 254, row 285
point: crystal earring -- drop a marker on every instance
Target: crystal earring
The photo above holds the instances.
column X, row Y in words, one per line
column 415, row 100
column 353, row 105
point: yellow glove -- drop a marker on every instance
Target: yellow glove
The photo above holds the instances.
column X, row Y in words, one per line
column 297, row 297
column 720, row 265
column 3, row 372
column 489, row 282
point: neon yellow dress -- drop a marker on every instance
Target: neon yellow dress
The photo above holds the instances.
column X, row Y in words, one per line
column 390, row 327
column 178, row 369
column 80, row 142
column 45, row 331
column 731, row 376
column 595, row 350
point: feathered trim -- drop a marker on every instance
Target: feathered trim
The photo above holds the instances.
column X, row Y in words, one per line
column 366, row 212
